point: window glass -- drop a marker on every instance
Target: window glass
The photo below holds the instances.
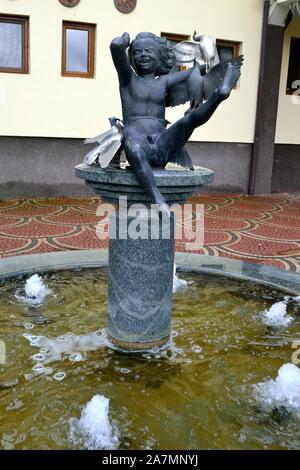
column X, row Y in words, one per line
column 227, row 49
column 294, row 65
column 11, row 45
column 225, row 53
column 77, row 46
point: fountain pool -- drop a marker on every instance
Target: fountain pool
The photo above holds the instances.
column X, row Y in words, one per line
column 63, row 382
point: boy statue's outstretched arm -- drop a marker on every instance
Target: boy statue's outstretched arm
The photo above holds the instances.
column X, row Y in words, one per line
column 118, row 48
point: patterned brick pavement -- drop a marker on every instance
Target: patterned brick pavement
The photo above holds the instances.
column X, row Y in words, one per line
column 260, row 229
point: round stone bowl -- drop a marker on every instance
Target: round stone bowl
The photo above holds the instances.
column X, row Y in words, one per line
column 176, row 184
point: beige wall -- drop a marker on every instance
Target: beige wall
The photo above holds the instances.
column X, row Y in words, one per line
column 45, row 104
column 288, row 119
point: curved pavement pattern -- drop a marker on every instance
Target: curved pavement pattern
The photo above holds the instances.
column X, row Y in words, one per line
column 260, row 229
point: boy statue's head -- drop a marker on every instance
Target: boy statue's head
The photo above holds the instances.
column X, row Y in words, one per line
column 151, row 53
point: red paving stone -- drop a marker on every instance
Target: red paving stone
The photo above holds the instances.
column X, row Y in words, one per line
column 259, row 229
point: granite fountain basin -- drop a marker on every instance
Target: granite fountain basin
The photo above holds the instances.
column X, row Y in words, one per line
column 66, row 386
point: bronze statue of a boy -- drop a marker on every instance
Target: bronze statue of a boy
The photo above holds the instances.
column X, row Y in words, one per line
column 146, row 88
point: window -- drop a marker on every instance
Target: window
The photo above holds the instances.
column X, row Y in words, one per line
column 227, row 49
column 175, row 39
column 294, row 66
column 14, row 44
column 78, row 50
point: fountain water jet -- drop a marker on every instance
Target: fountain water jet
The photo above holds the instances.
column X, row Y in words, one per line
column 35, row 291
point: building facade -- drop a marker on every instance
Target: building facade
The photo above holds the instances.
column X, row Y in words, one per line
column 58, row 86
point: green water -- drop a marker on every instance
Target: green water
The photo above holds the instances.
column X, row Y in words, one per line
column 197, row 394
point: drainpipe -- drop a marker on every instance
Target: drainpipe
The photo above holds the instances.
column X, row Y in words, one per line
column 257, row 133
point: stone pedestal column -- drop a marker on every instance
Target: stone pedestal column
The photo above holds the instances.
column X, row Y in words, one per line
column 141, row 252
column 140, row 280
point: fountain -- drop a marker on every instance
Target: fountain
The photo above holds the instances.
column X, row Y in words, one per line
column 87, row 370
column 141, row 267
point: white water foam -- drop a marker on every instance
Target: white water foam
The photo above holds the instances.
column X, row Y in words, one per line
column 178, row 284
column 52, row 349
column 283, row 391
column 35, row 291
column 298, row 299
column 277, row 316
column 93, row 431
